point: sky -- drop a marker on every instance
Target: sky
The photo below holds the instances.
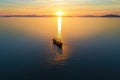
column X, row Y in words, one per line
column 69, row 7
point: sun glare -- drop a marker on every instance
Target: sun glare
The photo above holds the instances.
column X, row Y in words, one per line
column 59, row 13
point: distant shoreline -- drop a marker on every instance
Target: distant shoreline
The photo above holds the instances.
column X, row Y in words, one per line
column 63, row 16
column 108, row 15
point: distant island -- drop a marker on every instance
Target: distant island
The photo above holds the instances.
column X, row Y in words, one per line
column 108, row 15
column 111, row 15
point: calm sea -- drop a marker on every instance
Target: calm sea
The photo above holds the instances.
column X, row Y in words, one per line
column 91, row 49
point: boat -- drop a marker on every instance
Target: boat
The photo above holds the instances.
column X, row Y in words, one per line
column 57, row 42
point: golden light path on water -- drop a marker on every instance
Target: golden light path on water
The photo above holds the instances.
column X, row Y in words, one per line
column 59, row 27
column 59, row 14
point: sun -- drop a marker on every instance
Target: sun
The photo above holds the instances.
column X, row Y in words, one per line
column 59, row 13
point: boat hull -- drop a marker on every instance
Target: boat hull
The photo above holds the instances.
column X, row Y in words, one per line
column 57, row 43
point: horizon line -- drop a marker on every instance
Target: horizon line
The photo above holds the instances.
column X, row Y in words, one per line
column 35, row 15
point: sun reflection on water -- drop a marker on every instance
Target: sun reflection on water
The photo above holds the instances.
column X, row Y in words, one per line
column 59, row 27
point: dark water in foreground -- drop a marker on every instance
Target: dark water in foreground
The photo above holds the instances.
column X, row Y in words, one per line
column 91, row 49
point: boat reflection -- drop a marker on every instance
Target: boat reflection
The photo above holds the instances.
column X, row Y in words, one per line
column 59, row 56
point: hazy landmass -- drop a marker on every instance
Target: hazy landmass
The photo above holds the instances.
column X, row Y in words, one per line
column 107, row 15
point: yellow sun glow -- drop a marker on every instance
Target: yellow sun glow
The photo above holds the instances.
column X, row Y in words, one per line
column 59, row 13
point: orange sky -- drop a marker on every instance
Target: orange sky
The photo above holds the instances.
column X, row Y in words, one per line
column 69, row 7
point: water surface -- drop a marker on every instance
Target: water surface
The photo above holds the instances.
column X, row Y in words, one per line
column 91, row 49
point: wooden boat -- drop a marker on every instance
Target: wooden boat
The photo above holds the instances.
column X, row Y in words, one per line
column 57, row 42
